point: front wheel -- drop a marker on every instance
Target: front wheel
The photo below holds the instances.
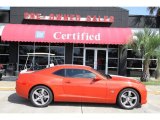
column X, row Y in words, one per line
column 41, row 96
column 128, row 98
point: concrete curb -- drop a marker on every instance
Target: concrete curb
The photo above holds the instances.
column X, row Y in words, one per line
column 7, row 89
column 154, row 92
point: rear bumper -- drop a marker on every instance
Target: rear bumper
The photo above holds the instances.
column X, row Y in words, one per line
column 22, row 89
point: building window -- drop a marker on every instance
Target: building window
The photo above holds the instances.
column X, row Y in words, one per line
column 78, row 51
column 96, row 45
column 113, row 61
column 112, row 71
column 57, row 49
column 135, row 64
column 4, row 54
column 113, row 55
column 24, row 49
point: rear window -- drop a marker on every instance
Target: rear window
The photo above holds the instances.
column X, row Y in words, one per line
column 60, row 72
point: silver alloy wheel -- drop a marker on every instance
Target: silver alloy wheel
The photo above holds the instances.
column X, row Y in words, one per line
column 40, row 96
column 128, row 99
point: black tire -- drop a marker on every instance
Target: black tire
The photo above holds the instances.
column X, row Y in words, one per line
column 47, row 92
column 136, row 101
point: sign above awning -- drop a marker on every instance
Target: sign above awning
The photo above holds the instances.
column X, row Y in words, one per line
column 65, row 34
column 68, row 17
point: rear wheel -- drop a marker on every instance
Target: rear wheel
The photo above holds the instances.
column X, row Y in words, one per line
column 41, row 96
column 128, row 98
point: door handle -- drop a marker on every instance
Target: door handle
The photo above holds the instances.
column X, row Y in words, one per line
column 68, row 82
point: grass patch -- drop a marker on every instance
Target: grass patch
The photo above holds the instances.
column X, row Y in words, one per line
column 156, row 82
column 152, row 81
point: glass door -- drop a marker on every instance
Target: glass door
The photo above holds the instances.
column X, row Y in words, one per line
column 96, row 58
column 101, row 61
column 89, row 58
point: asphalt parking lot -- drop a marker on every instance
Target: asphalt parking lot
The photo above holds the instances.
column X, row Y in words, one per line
column 11, row 103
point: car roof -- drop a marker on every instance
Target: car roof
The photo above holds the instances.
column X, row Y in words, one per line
column 73, row 66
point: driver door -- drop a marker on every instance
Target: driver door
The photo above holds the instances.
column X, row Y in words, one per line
column 79, row 85
column 93, row 90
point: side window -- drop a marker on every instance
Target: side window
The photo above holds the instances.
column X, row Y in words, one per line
column 79, row 73
column 74, row 73
column 60, row 72
column 88, row 74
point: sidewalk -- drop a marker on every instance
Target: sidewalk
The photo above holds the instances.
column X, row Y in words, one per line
column 8, row 83
column 153, row 89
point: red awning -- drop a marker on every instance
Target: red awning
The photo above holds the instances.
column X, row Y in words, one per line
column 65, row 34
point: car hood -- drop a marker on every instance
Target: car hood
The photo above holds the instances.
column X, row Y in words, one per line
column 124, row 79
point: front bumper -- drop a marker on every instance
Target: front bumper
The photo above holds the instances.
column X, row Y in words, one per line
column 143, row 93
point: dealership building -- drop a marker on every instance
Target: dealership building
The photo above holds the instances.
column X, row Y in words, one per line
column 93, row 36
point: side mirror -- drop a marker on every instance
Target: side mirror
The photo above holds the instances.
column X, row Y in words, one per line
column 96, row 78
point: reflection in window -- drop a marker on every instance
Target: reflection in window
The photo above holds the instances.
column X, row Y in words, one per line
column 58, row 51
column 112, row 62
column 113, row 46
column 57, row 60
column 4, row 53
column 112, row 71
column 41, row 44
column 57, row 44
column 22, row 59
column 40, row 60
column 41, row 50
column 96, row 45
column 78, row 55
column 4, row 49
column 78, row 52
column 153, row 64
column 22, row 62
column 78, row 61
column 113, row 53
column 132, row 54
column 134, row 72
column 134, row 63
column 78, row 45
column 26, row 43
column 23, row 50
column 4, row 59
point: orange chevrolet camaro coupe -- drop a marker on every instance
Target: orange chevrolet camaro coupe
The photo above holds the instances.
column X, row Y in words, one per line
column 77, row 83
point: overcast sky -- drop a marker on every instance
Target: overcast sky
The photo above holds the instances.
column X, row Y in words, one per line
column 137, row 10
